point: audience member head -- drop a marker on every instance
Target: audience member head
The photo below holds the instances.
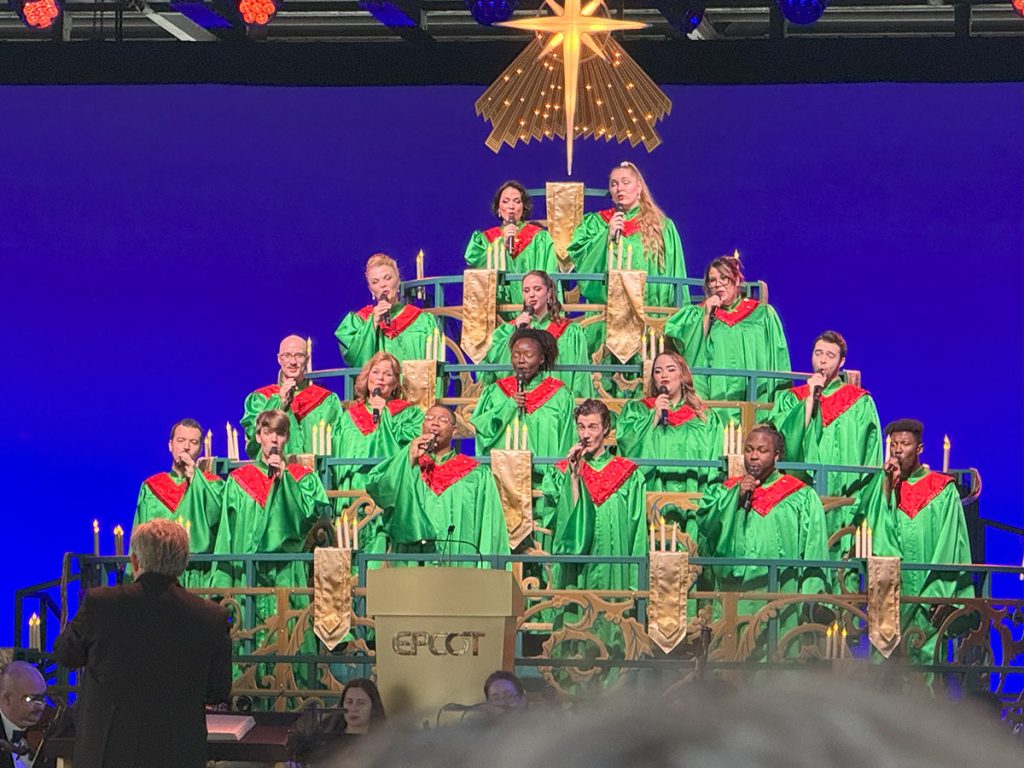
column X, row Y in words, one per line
column 512, row 201
column 541, row 294
column 362, row 706
column 382, row 277
column 724, row 278
column 763, row 447
column 628, row 189
column 292, row 357
column 532, row 351
column 504, row 692
column 186, row 440
column 671, row 372
column 272, row 432
column 22, row 694
column 383, row 372
column 829, row 354
column 159, row 546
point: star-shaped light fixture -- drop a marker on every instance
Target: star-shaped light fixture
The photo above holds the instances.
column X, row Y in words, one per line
column 572, row 27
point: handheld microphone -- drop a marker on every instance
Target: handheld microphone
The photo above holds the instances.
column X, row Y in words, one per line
column 521, row 385
column 432, row 445
column 510, row 240
column 663, row 418
column 746, row 501
column 816, row 394
column 530, row 311
column 386, row 318
column 272, row 471
column 376, row 411
column 618, row 233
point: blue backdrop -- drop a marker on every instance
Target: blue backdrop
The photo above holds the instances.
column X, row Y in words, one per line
column 157, row 242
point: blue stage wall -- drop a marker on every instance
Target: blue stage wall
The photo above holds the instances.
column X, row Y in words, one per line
column 157, row 242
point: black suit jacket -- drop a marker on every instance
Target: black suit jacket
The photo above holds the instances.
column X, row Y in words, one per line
column 153, row 655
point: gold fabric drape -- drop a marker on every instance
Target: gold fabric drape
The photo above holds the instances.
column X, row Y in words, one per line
column 479, row 311
column 512, row 473
column 419, row 379
column 624, row 314
column 332, row 594
column 666, row 611
column 884, row 578
column 565, row 212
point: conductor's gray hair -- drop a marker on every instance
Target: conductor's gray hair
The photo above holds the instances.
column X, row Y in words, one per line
column 161, row 546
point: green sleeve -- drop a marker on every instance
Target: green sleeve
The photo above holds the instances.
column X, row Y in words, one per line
column 880, row 514
column 951, row 545
column 572, row 350
column 588, row 250
column 686, row 329
column 202, row 505
column 718, row 521
column 357, row 340
column 552, row 484
column 675, row 266
column 632, row 430
column 146, row 507
column 406, row 426
column 492, row 535
column 574, row 523
column 493, row 413
column 636, row 506
column 871, row 444
column 476, row 251
column 778, row 350
column 498, row 353
column 254, row 405
column 813, row 541
column 788, row 415
column 396, row 487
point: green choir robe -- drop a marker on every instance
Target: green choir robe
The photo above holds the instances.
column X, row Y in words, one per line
column 548, row 419
column 357, row 437
column 419, row 503
column 923, row 523
column 405, row 336
column 686, row 436
column 748, row 335
column 786, row 522
column 310, row 404
column 572, row 350
column 845, row 431
column 589, row 252
column 532, row 249
column 198, row 502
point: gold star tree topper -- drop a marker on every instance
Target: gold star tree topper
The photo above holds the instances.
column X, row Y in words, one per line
column 620, row 100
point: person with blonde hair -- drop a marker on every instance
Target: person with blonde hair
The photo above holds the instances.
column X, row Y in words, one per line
column 377, row 424
column 531, row 249
column 386, row 324
column 641, row 225
column 730, row 331
column 671, row 422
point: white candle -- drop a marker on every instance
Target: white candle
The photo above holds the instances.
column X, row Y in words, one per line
column 208, row 444
column 844, row 650
column 328, row 440
column 34, row 642
column 439, row 345
column 675, row 536
column 96, row 537
column 118, row 541
column 828, row 642
column 945, row 453
column 629, row 257
column 524, row 446
column 653, row 543
column 869, row 547
column 508, row 438
column 619, row 260
column 355, row 532
column 515, row 433
column 309, row 354
column 663, row 533
column 419, row 265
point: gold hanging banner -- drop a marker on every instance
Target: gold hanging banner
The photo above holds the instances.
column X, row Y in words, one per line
column 479, row 311
column 884, row 579
column 512, row 472
column 624, row 314
column 666, row 612
column 419, row 379
column 332, row 594
column 565, row 212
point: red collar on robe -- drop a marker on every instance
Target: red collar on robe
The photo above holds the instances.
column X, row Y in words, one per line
column 303, row 402
column 917, row 496
column 251, row 479
column 405, row 317
column 363, row 418
column 835, row 405
column 602, row 483
column 555, row 329
column 521, row 240
column 170, row 493
column 537, row 396
column 440, row 477
column 742, row 312
column 765, row 499
column 680, row 415
column 629, row 228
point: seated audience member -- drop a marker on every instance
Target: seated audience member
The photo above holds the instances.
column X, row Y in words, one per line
column 362, row 713
column 306, row 404
column 186, row 493
column 504, row 693
column 386, row 325
column 433, row 499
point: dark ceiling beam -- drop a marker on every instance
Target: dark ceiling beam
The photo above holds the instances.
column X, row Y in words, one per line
column 830, row 60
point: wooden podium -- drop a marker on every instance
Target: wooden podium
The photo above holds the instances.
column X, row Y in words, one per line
column 440, row 633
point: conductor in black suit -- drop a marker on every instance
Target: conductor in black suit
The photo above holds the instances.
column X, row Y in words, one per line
column 153, row 655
